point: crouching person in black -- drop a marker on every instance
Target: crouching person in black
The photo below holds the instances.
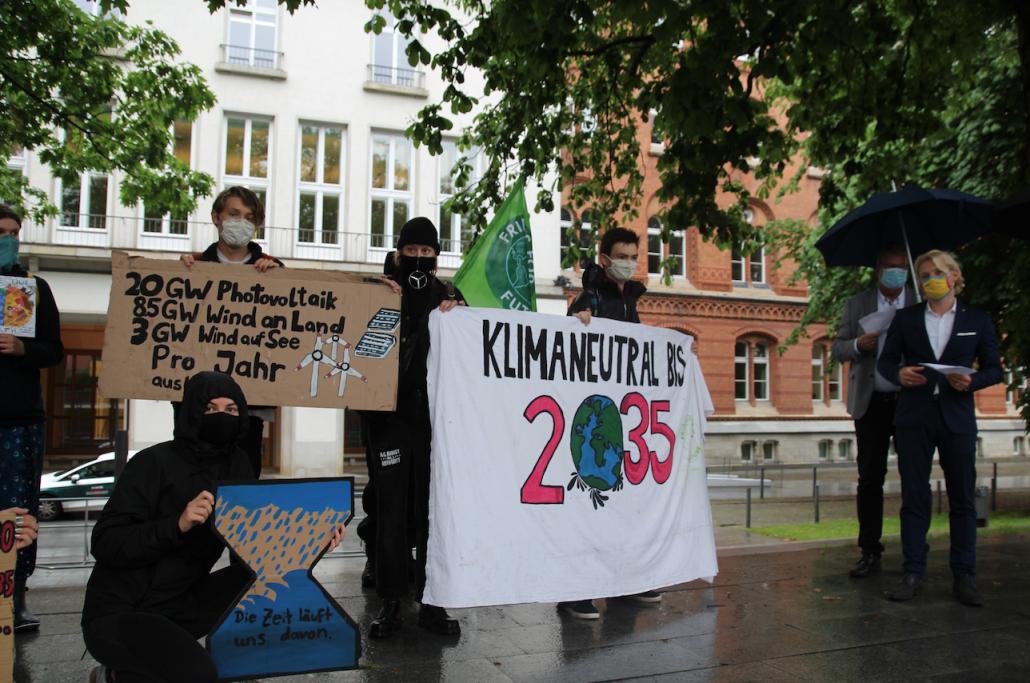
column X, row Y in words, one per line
column 399, row 441
column 152, row 594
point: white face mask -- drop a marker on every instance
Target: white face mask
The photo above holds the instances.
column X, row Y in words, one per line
column 621, row 270
column 237, row 232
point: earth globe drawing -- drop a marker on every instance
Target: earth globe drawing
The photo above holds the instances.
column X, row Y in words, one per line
column 596, row 444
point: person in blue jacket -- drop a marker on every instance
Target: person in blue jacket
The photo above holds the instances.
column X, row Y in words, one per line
column 936, row 411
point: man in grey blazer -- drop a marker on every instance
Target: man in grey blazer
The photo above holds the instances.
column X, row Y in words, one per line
column 871, row 397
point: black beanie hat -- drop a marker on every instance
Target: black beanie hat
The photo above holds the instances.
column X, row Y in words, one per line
column 419, row 230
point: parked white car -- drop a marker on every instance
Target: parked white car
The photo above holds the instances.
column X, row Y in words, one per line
column 93, row 480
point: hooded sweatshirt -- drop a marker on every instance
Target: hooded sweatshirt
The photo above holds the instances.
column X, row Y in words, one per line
column 21, row 400
column 601, row 296
column 144, row 563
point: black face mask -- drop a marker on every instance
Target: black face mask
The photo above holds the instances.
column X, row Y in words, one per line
column 219, row 429
column 414, row 271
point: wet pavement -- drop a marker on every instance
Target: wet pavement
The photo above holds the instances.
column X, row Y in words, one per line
column 776, row 612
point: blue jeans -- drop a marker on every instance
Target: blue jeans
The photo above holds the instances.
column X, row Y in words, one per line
column 915, row 461
column 21, row 464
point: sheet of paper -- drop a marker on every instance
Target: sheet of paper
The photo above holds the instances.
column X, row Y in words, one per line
column 877, row 321
column 949, row 369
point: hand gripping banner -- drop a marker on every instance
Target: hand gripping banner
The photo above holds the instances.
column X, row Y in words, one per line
column 284, row 622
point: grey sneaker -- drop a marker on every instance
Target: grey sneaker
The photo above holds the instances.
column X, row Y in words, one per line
column 647, row 597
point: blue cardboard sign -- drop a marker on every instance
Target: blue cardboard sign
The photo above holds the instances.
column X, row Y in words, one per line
column 284, row 622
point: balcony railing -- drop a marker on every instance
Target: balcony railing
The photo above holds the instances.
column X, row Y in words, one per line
column 404, row 78
column 243, row 55
column 166, row 235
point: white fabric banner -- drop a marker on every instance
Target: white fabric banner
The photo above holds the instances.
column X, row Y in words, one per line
column 552, row 477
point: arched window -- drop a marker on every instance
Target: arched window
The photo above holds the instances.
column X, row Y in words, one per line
column 747, row 267
column 751, row 377
column 565, row 224
column 656, row 251
column 826, row 376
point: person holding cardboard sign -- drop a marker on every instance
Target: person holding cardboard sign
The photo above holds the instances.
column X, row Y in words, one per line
column 237, row 213
column 399, row 441
column 22, row 417
column 152, row 593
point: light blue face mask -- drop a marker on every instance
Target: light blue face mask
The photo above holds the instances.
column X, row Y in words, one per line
column 893, row 278
column 8, row 251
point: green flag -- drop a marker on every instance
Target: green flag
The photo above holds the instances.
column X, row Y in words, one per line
column 498, row 270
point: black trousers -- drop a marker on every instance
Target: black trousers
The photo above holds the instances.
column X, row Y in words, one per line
column 957, row 453
column 399, row 445
column 873, row 432
column 367, row 526
column 145, row 647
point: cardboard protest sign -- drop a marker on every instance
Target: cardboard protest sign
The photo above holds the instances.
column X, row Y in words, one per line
column 8, row 556
column 19, row 296
column 284, row 622
column 586, row 477
column 288, row 337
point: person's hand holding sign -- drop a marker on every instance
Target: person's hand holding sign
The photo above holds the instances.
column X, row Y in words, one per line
column 197, row 511
column 26, row 529
column 265, row 264
column 338, row 535
column 11, row 345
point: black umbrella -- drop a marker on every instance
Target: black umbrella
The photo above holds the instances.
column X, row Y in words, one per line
column 917, row 218
column 1011, row 218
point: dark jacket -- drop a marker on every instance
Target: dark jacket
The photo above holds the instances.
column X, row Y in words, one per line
column 254, row 253
column 414, row 341
column 601, row 296
column 972, row 340
column 144, row 563
column 21, row 399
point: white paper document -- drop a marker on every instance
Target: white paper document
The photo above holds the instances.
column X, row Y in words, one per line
column 877, row 321
column 949, row 369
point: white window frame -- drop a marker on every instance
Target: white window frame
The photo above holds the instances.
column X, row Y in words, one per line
column 826, row 450
column 665, row 249
column 319, row 188
column 748, row 451
column 770, row 450
column 166, row 238
column 388, row 194
column 396, row 72
column 457, row 226
column 92, row 8
column 844, row 449
column 565, row 223
column 84, row 213
column 744, row 360
column 255, row 16
column 256, row 183
column 1018, row 445
column 818, row 373
column 747, row 263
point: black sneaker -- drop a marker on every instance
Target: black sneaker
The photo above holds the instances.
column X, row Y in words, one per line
column 647, row 597
column 865, row 566
column 909, row 587
column 580, row 609
column 966, row 592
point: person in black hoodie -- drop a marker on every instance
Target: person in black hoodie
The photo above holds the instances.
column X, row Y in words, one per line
column 399, row 441
column 237, row 212
column 152, row 592
column 609, row 291
column 22, row 418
